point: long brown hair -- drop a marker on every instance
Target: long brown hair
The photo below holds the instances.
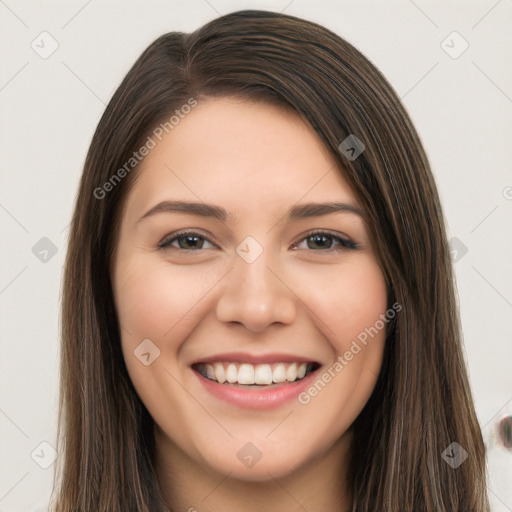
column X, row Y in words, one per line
column 422, row 401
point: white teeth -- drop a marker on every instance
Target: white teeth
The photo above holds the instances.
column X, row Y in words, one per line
column 220, row 373
column 210, row 372
column 260, row 374
column 279, row 373
column 231, row 374
column 291, row 373
column 263, row 374
column 246, row 374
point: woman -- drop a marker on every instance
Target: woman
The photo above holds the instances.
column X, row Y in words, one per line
column 258, row 302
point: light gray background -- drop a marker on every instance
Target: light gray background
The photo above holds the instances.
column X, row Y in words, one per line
column 462, row 108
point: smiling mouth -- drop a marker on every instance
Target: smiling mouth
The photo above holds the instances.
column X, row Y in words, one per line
column 254, row 375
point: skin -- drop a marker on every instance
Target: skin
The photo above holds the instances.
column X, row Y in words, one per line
column 256, row 161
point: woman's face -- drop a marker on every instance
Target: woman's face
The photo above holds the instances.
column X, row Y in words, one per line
column 248, row 293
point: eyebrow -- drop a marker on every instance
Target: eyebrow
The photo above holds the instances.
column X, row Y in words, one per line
column 300, row 211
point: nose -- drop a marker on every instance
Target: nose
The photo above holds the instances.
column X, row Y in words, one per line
column 256, row 296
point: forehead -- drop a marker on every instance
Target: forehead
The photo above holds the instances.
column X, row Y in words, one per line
column 241, row 153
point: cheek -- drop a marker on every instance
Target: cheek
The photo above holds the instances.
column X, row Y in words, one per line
column 367, row 301
column 152, row 300
column 161, row 305
column 352, row 300
column 354, row 309
column 363, row 332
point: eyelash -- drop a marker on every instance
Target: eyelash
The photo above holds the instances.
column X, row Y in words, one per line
column 344, row 243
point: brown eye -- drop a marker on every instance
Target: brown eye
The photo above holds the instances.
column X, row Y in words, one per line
column 323, row 241
column 187, row 241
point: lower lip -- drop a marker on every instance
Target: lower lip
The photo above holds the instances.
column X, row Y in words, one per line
column 256, row 398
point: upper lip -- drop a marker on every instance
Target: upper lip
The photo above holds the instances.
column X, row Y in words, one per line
column 240, row 357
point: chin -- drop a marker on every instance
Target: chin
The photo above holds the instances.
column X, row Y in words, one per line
column 251, row 464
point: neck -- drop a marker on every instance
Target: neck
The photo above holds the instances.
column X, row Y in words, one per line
column 188, row 486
